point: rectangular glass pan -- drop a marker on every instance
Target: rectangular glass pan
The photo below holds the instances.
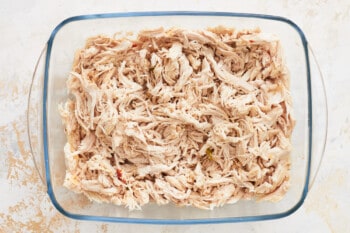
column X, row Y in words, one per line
column 56, row 63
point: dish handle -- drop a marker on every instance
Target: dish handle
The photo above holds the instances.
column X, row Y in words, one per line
column 34, row 116
column 319, row 118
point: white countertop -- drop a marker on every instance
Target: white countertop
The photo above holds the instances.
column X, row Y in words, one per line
column 24, row 29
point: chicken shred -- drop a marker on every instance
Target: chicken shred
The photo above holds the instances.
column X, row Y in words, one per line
column 192, row 117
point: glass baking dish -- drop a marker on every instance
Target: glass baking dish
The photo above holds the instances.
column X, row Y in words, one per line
column 48, row 89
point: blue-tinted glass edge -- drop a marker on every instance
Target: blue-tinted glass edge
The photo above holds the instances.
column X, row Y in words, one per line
column 174, row 221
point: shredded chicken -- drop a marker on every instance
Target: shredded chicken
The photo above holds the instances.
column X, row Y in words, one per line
column 196, row 118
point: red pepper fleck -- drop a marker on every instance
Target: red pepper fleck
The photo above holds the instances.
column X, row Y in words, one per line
column 119, row 175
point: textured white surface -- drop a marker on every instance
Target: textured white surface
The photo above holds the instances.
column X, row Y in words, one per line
column 24, row 29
